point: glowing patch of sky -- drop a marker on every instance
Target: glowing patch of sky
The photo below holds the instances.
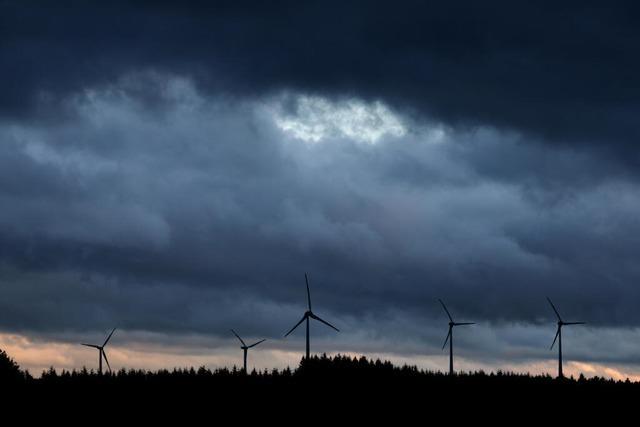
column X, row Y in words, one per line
column 313, row 119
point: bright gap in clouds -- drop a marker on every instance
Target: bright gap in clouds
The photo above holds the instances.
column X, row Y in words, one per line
column 313, row 118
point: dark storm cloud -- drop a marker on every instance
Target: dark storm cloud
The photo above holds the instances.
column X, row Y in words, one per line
column 159, row 220
column 564, row 72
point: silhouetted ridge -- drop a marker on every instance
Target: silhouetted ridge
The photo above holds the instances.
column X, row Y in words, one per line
column 360, row 385
column 336, row 370
column 315, row 368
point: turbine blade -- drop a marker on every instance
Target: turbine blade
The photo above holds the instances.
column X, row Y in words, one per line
column 109, row 337
column 554, row 340
column 255, row 344
column 554, row 309
column 105, row 359
column 313, row 316
column 575, row 323
column 464, row 323
column 446, row 339
column 445, row 309
column 91, row 345
column 306, row 279
column 238, row 336
column 297, row 324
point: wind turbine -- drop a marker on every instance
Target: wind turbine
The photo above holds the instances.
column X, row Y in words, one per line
column 558, row 336
column 450, row 336
column 245, row 347
column 309, row 315
column 101, row 352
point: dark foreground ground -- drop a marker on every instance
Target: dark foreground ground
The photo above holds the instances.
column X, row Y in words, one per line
column 322, row 390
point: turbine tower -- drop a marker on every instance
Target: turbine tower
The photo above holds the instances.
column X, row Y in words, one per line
column 309, row 315
column 450, row 335
column 245, row 347
column 558, row 336
column 101, row 352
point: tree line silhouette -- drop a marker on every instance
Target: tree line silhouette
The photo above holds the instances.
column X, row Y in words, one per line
column 356, row 385
column 321, row 369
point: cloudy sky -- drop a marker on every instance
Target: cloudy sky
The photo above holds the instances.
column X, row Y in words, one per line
column 173, row 171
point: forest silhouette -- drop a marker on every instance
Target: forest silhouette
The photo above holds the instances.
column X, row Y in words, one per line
column 326, row 390
column 356, row 377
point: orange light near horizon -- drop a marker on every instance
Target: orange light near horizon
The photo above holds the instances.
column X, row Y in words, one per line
column 37, row 356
